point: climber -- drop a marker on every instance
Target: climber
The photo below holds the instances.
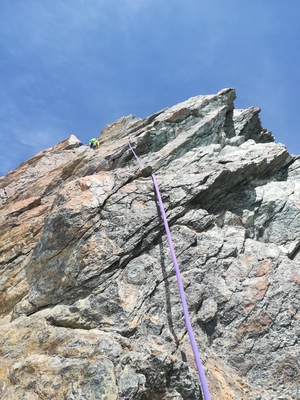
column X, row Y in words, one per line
column 93, row 143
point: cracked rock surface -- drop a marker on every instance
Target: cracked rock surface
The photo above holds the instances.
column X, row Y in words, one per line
column 89, row 302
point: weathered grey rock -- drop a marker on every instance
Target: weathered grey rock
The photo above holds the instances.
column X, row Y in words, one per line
column 89, row 299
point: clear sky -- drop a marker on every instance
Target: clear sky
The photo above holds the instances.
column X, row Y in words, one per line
column 74, row 66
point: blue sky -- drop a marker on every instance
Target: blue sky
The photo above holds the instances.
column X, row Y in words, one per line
column 73, row 66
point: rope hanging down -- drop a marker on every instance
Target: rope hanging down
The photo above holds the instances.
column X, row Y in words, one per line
column 201, row 373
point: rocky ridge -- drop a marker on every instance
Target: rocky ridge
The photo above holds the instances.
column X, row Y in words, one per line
column 89, row 304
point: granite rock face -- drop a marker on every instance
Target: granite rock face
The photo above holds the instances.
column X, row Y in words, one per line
column 89, row 303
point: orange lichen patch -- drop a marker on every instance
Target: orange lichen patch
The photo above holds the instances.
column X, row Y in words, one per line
column 137, row 204
column 246, row 260
column 297, row 317
column 18, row 240
column 10, row 297
column 129, row 295
column 90, row 191
column 254, row 326
column 245, row 265
column 20, row 206
column 129, row 188
column 78, row 197
column 249, row 307
column 261, row 285
column 35, row 212
column 14, row 284
column 180, row 115
column 265, row 267
column 295, row 278
column 75, row 204
column 104, row 245
column 225, row 385
column 101, row 176
column 92, row 250
column 91, row 247
column 154, row 320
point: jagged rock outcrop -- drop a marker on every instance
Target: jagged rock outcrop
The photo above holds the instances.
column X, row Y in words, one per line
column 89, row 303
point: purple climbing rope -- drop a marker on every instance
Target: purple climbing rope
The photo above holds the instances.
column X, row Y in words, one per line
column 201, row 373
